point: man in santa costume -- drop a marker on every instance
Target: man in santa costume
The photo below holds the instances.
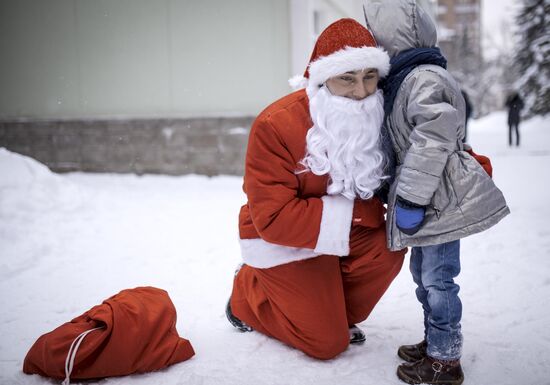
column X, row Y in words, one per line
column 312, row 233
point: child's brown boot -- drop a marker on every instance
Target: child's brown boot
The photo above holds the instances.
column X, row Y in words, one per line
column 431, row 371
column 413, row 353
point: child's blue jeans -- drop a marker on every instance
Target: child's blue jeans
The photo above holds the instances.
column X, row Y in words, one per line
column 433, row 269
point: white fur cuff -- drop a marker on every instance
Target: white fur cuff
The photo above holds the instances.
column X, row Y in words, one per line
column 335, row 226
column 262, row 255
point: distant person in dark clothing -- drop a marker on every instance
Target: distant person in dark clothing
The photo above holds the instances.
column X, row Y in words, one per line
column 467, row 115
column 514, row 103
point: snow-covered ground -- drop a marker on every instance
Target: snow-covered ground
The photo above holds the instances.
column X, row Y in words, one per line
column 69, row 241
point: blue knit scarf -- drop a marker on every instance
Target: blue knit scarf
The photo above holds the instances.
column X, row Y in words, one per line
column 402, row 65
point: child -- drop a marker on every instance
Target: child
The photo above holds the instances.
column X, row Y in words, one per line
column 440, row 192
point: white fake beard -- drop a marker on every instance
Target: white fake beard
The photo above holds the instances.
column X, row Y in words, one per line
column 345, row 143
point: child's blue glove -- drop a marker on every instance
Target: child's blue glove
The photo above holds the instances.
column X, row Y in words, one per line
column 409, row 217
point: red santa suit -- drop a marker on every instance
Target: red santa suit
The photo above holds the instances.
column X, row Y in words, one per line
column 314, row 263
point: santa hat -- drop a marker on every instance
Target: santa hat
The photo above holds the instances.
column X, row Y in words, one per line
column 343, row 46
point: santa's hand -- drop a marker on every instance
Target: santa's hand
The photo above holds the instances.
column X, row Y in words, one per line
column 409, row 217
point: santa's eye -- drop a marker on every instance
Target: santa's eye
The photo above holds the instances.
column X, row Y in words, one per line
column 348, row 79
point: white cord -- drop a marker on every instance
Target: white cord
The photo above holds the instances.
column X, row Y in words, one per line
column 69, row 361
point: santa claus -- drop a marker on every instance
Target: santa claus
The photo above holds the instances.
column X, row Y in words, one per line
column 312, row 233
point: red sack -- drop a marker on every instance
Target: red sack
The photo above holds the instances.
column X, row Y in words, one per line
column 134, row 331
column 484, row 161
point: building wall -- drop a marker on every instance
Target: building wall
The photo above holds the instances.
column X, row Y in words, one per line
column 140, row 58
column 460, row 33
column 208, row 146
column 164, row 86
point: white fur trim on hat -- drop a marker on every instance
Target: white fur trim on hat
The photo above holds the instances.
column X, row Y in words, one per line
column 345, row 60
column 297, row 82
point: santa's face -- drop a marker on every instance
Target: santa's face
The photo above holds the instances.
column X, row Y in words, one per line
column 356, row 85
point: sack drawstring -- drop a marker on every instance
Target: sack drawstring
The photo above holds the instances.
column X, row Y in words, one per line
column 69, row 361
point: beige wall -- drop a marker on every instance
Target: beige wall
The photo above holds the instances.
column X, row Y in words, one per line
column 141, row 58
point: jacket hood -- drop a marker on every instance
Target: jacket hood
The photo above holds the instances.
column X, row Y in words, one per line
column 398, row 25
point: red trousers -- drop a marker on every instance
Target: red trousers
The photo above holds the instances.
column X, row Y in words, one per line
column 310, row 304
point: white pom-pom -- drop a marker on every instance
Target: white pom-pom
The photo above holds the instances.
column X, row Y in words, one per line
column 297, row 82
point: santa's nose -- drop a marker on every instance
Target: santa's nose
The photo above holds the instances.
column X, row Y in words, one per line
column 360, row 91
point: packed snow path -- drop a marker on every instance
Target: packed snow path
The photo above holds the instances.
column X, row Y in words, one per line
column 69, row 241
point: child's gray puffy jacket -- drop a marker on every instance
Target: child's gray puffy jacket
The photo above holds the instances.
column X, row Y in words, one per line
column 426, row 127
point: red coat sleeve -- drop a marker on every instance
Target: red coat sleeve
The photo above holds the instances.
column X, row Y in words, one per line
column 278, row 212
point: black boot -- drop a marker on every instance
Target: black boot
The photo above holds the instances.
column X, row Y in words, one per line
column 240, row 325
column 413, row 353
column 431, row 371
column 356, row 335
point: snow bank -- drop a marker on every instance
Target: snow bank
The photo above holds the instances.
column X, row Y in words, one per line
column 27, row 184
